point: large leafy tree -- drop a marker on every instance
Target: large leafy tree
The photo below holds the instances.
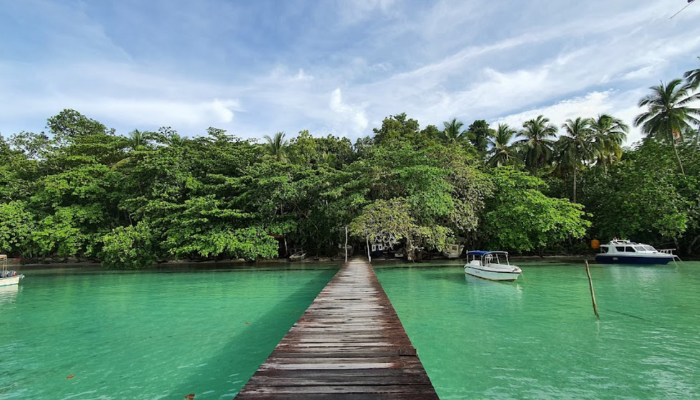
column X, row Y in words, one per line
column 387, row 222
column 668, row 113
column 397, row 129
column 81, row 190
column 536, row 144
column 16, row 228
column 645, row 198
column 520, row 217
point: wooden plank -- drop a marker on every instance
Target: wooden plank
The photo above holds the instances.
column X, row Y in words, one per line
column 349, row 344
column 336, row 389
column 343, row 396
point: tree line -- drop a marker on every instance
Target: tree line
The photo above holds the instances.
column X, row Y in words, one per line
column 82, row 190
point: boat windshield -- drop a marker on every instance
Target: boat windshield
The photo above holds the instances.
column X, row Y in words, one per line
column 640, row 248
column 649, row 248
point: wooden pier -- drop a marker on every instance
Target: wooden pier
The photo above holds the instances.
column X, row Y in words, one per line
column 349, row 344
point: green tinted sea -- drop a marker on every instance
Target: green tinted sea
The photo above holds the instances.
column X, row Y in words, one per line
column 163, row 334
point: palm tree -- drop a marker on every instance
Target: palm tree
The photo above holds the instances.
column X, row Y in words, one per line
column 175, row 140
column 452, row 132
column 692, row 77
column 501, row 153
column 668, row 114
column 536, row 143
column 575, row 147
column 277, row 146
column 137, row 139
column 608, row 133
column 478, row 134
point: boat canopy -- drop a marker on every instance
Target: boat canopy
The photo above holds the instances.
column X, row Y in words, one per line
column 484, row 252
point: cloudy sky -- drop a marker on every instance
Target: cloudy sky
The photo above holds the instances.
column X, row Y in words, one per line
column 334, row 66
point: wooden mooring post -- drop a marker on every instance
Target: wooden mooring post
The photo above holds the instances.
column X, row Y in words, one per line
column 349, row 344
column 590, row 285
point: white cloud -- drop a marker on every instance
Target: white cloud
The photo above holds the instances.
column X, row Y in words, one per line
column 434, row 61
column 355, row 11
column 586, row 106
column 155, row 112
column 347, row 114
column 591, row 105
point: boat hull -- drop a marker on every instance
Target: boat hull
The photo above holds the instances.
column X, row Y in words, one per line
column 13, row 280
column 656, row 259
column 503, row 276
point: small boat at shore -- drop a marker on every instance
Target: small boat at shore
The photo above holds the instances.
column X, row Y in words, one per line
column 452, row 251
column 378, row 250
column 298, row 256
column 8, row 277
column 491, row 265
column 627, row 252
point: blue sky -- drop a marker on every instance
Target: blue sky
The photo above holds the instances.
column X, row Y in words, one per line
column 334, row 66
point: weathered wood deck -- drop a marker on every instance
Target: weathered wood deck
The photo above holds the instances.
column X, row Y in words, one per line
column 349, row 344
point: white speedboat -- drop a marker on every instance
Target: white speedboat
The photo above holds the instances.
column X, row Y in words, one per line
column 453, row 251
column 491, row 265
column 626, row 252
column 10, row 277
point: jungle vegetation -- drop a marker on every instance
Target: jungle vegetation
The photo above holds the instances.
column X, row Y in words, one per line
column 83, row 190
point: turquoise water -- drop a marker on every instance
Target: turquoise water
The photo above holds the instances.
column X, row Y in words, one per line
column 537, row 338
column 76, row 334
column 166, row 334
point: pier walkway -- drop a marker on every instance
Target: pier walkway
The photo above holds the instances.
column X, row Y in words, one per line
column 349, row 344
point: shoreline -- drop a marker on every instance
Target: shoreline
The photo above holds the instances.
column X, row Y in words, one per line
column 16, row 263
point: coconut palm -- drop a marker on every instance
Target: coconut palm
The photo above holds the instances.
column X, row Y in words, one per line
column 608, row 133
column 174, row 139
column 277, row 146
column 478, row 134
column 537, row 147
column 501, row 153
column 453, row 131
column 691, row 138
column 137, row 139
column 575, row 147
column 668, row 114
column 692, row 77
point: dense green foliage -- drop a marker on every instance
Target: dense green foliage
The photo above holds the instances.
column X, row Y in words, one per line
column 80, row 190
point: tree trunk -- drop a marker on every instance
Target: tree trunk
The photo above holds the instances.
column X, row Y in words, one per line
column 574, row 185
column 369, row 255
column 675, row 150
column 692, row 245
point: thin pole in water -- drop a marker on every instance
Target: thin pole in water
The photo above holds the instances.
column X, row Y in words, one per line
column 590, row 285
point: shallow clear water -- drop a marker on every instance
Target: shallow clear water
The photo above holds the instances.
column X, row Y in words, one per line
column 75, row 334
column 537, row 338
column 166, row 334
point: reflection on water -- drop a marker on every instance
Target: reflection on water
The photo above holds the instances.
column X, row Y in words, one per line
column 483, row 290
column 8, row 293
column 538, row 337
